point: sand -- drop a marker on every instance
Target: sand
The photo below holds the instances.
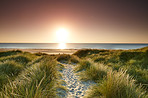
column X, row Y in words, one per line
column 76, row 88
column 47, row 51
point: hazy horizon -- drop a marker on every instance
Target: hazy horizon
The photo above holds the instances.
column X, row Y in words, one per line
column 71, row 43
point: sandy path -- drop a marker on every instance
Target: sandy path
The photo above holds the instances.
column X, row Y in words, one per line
column 76, row 88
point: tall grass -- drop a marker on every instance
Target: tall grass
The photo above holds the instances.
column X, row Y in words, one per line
column 9, row 69
column 117, row 85
column 85, row 52
column 22, row 58
column 88, row 70
column 8, row 53
column 66, row 58
column 83, row 65
column 26, row 75
column 135, row 61
column 37, row 81
column 12, row 63
column 95, row 73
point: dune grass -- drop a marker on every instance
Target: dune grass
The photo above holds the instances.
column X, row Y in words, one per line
column 36, row 81
column 104, row 68
column 26, row 75
column 29, row 83
column 9, row 53
column 9, row 70
column 94, row 73
column 12, row 63
column 85, row 52
column 83, row 65
column 117, row 85
column 66, row 58
column 90, row 71
column 135, row 61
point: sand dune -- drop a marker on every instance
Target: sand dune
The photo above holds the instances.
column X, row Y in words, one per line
column 47, row 51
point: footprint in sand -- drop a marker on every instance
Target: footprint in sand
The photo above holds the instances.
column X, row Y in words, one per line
column 76, row 88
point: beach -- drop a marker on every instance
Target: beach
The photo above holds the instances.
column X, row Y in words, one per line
column 47, row 51
column 77, row 75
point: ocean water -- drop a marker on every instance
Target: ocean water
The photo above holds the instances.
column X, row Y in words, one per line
column 71, row 46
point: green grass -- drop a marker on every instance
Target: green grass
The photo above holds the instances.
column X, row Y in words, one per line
column 95, row 64
column 12, row 63
column 85, row 52
column 9, row 70
column 66, row 58
column 26, row 75
column 83, row 65
column 36, row 81
column 60, row 66
column 95, row 73
column 23, row 58
column 8, row 53
column 117, row 85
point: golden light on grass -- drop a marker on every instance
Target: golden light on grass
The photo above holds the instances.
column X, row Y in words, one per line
column 62, row 37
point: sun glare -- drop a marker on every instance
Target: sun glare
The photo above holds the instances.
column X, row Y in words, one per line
column 62, row 46
column 62, row 35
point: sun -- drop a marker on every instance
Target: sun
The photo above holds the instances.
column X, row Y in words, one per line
column 62, row 35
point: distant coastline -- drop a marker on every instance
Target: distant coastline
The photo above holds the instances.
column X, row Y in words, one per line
column 72, row 45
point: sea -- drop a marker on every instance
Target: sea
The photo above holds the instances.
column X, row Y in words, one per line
column 72, row 45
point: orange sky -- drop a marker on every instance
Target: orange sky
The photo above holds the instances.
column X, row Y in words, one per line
column 87, row 21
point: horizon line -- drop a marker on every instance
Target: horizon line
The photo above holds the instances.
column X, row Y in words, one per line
column 70, row 43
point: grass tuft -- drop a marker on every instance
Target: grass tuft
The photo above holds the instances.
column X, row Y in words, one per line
column 66, row 58
column 117, row 85
column 8, row 53
column 37, row 81
column 83, row 65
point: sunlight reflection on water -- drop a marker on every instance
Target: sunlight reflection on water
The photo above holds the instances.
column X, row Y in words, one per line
column 62, row 46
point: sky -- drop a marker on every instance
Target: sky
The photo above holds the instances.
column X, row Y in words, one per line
column 86, row 21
